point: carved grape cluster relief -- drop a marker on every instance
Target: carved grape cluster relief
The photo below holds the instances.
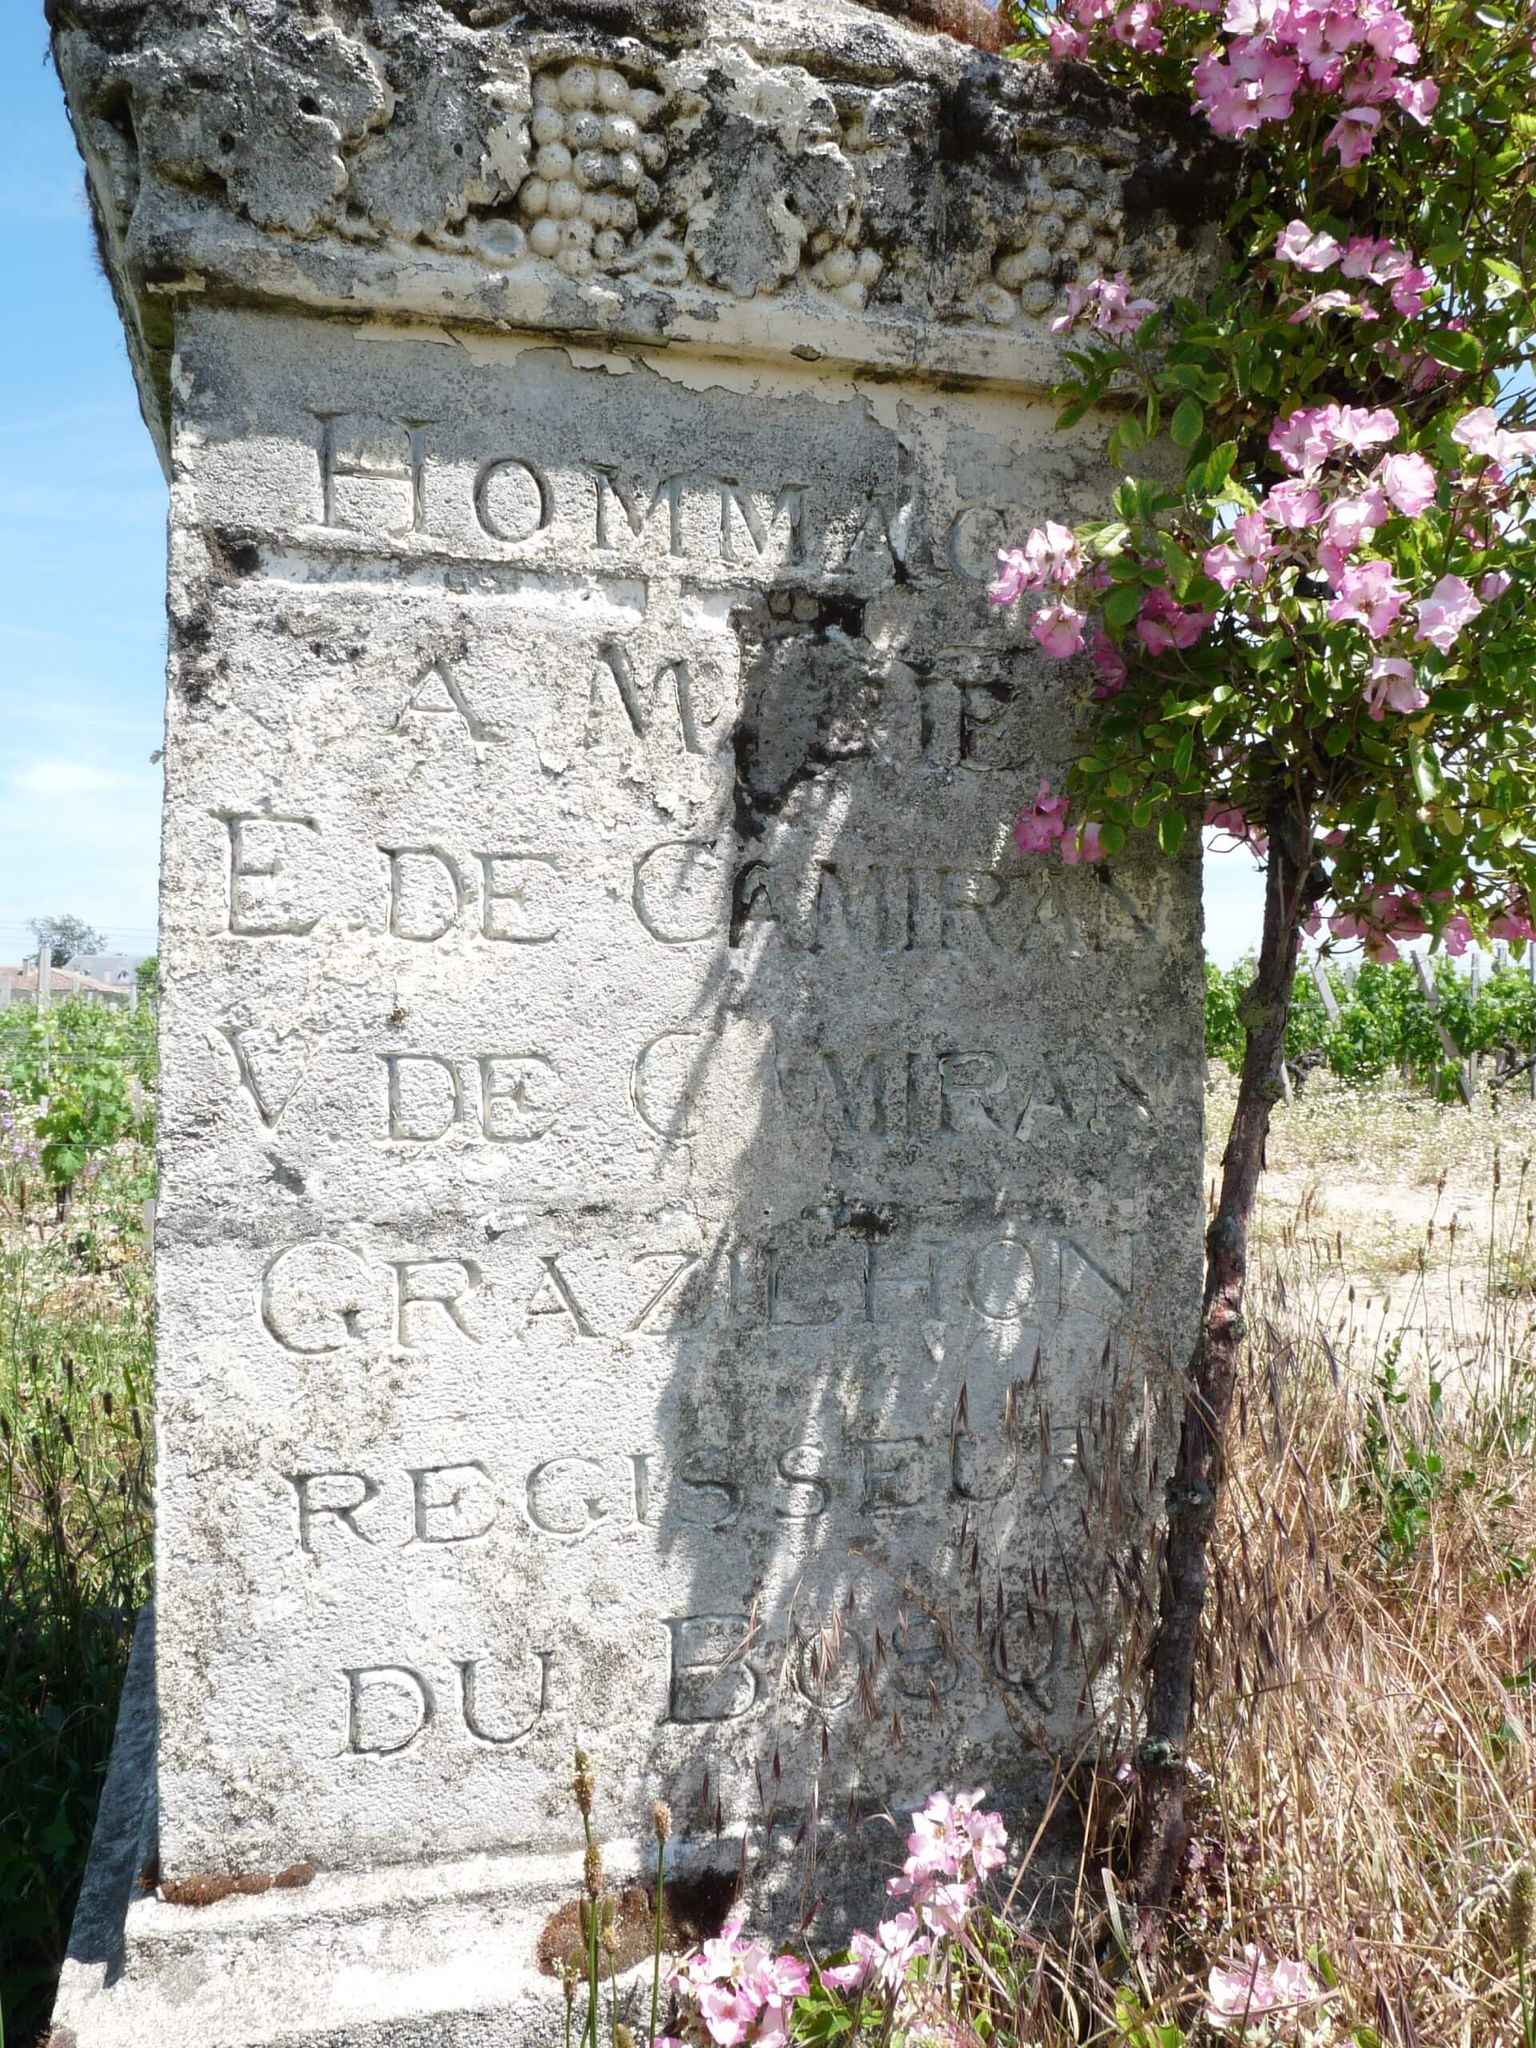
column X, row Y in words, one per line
column 592, row 193
column 604, row 158
column 1069, row 231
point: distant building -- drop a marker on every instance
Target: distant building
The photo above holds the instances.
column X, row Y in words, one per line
column 119, row 970
column 19, row 985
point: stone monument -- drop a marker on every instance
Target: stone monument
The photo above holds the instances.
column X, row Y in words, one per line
column 672, row 1233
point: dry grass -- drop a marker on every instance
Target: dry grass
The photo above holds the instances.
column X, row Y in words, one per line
column 1367, row 1722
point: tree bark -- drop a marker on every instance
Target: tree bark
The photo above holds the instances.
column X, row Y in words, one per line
column 1193, row 1492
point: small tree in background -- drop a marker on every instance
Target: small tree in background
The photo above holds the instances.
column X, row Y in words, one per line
column 66, row 938
column 1316, row 638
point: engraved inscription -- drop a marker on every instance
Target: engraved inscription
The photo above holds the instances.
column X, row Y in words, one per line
column 318, row 1296
column 511, row 897
column 504, row 1098
column 270, row 1065
column 390, row 1708
column 381, row 478
column 268, row 853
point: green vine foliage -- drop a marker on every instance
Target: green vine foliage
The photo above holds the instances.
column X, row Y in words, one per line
column 70, row 1073
column 1385, row 1026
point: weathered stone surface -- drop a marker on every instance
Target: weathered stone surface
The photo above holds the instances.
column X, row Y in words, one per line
column 672, row 1232
column 818, row 181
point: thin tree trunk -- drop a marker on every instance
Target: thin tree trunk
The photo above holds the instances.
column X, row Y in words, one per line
column 1193, row 1491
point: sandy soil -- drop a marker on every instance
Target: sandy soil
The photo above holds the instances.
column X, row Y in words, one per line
column 1399, row 1219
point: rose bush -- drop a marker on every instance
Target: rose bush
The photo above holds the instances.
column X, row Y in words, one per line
column 1308, row 630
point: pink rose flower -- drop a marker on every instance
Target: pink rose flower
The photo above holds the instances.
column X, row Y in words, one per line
column 1246, row 557
column 1418, row 97
column 1353, row 135
column 1308, row 248
column 1348, row 524
column 1408, row 481
column 1293, row 504
column 1409, row 291
column 1038, row 829
column 1494, row 585
column 1306, row 438
column 1163, row 624
column 1220, row 817
column 1053, row 554
column 1391, row 685
column 1059, row 630
column 1370, row 596
column 1012, row 577
column 1110, row 663
column 1362, row 427
column 1107, row 305
column 1067, row 42
column 1331, row 302
column 1479, row 433
column 1449, row 607
column 1081, row 847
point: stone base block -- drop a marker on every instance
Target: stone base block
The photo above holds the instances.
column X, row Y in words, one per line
column 439, row 1955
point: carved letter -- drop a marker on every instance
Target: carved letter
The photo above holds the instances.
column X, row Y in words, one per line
column 469, row 1674
column 613, row 660
column 388, row 1707
column 865, row 917
column 866, row 1092
column 521, row 1097
column 803, row 1482
column 436, row 693
column 424, row 903
column 709, row 1680
column 926, row 1288
column 439, row 1493
column 419, row 1120
column 1026, row 1648
column 1000, row 1281
column 424, row 1285
column 668, row 491
column 790, row 501
column 663, row 1100
column 679, row 893
column 522, row 922
column 686, row 1261
column 973, row 1075
column 702, row 1473
column 314, row 1298
column 556, row 1483
column 270, row 1101
column 827, row 1667
column 894, row 1478
column 311, row 1489
column 564, row 1302
column 925, row 1661
column 411, row 472
column 250, row 915
column 975, row 534
column 531, row 509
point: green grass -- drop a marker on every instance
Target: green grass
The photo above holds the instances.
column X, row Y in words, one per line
column 75, row 1366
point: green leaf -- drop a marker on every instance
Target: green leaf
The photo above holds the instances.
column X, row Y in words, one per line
column 1188, row 422
column 1457, row 350
column 1425, row 766
column 1122, row 605
column 1170, row 831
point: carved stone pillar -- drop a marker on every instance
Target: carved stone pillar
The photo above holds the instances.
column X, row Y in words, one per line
column 672, row 1232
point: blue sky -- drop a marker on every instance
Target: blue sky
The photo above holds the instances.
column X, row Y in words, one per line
column 82, row 559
